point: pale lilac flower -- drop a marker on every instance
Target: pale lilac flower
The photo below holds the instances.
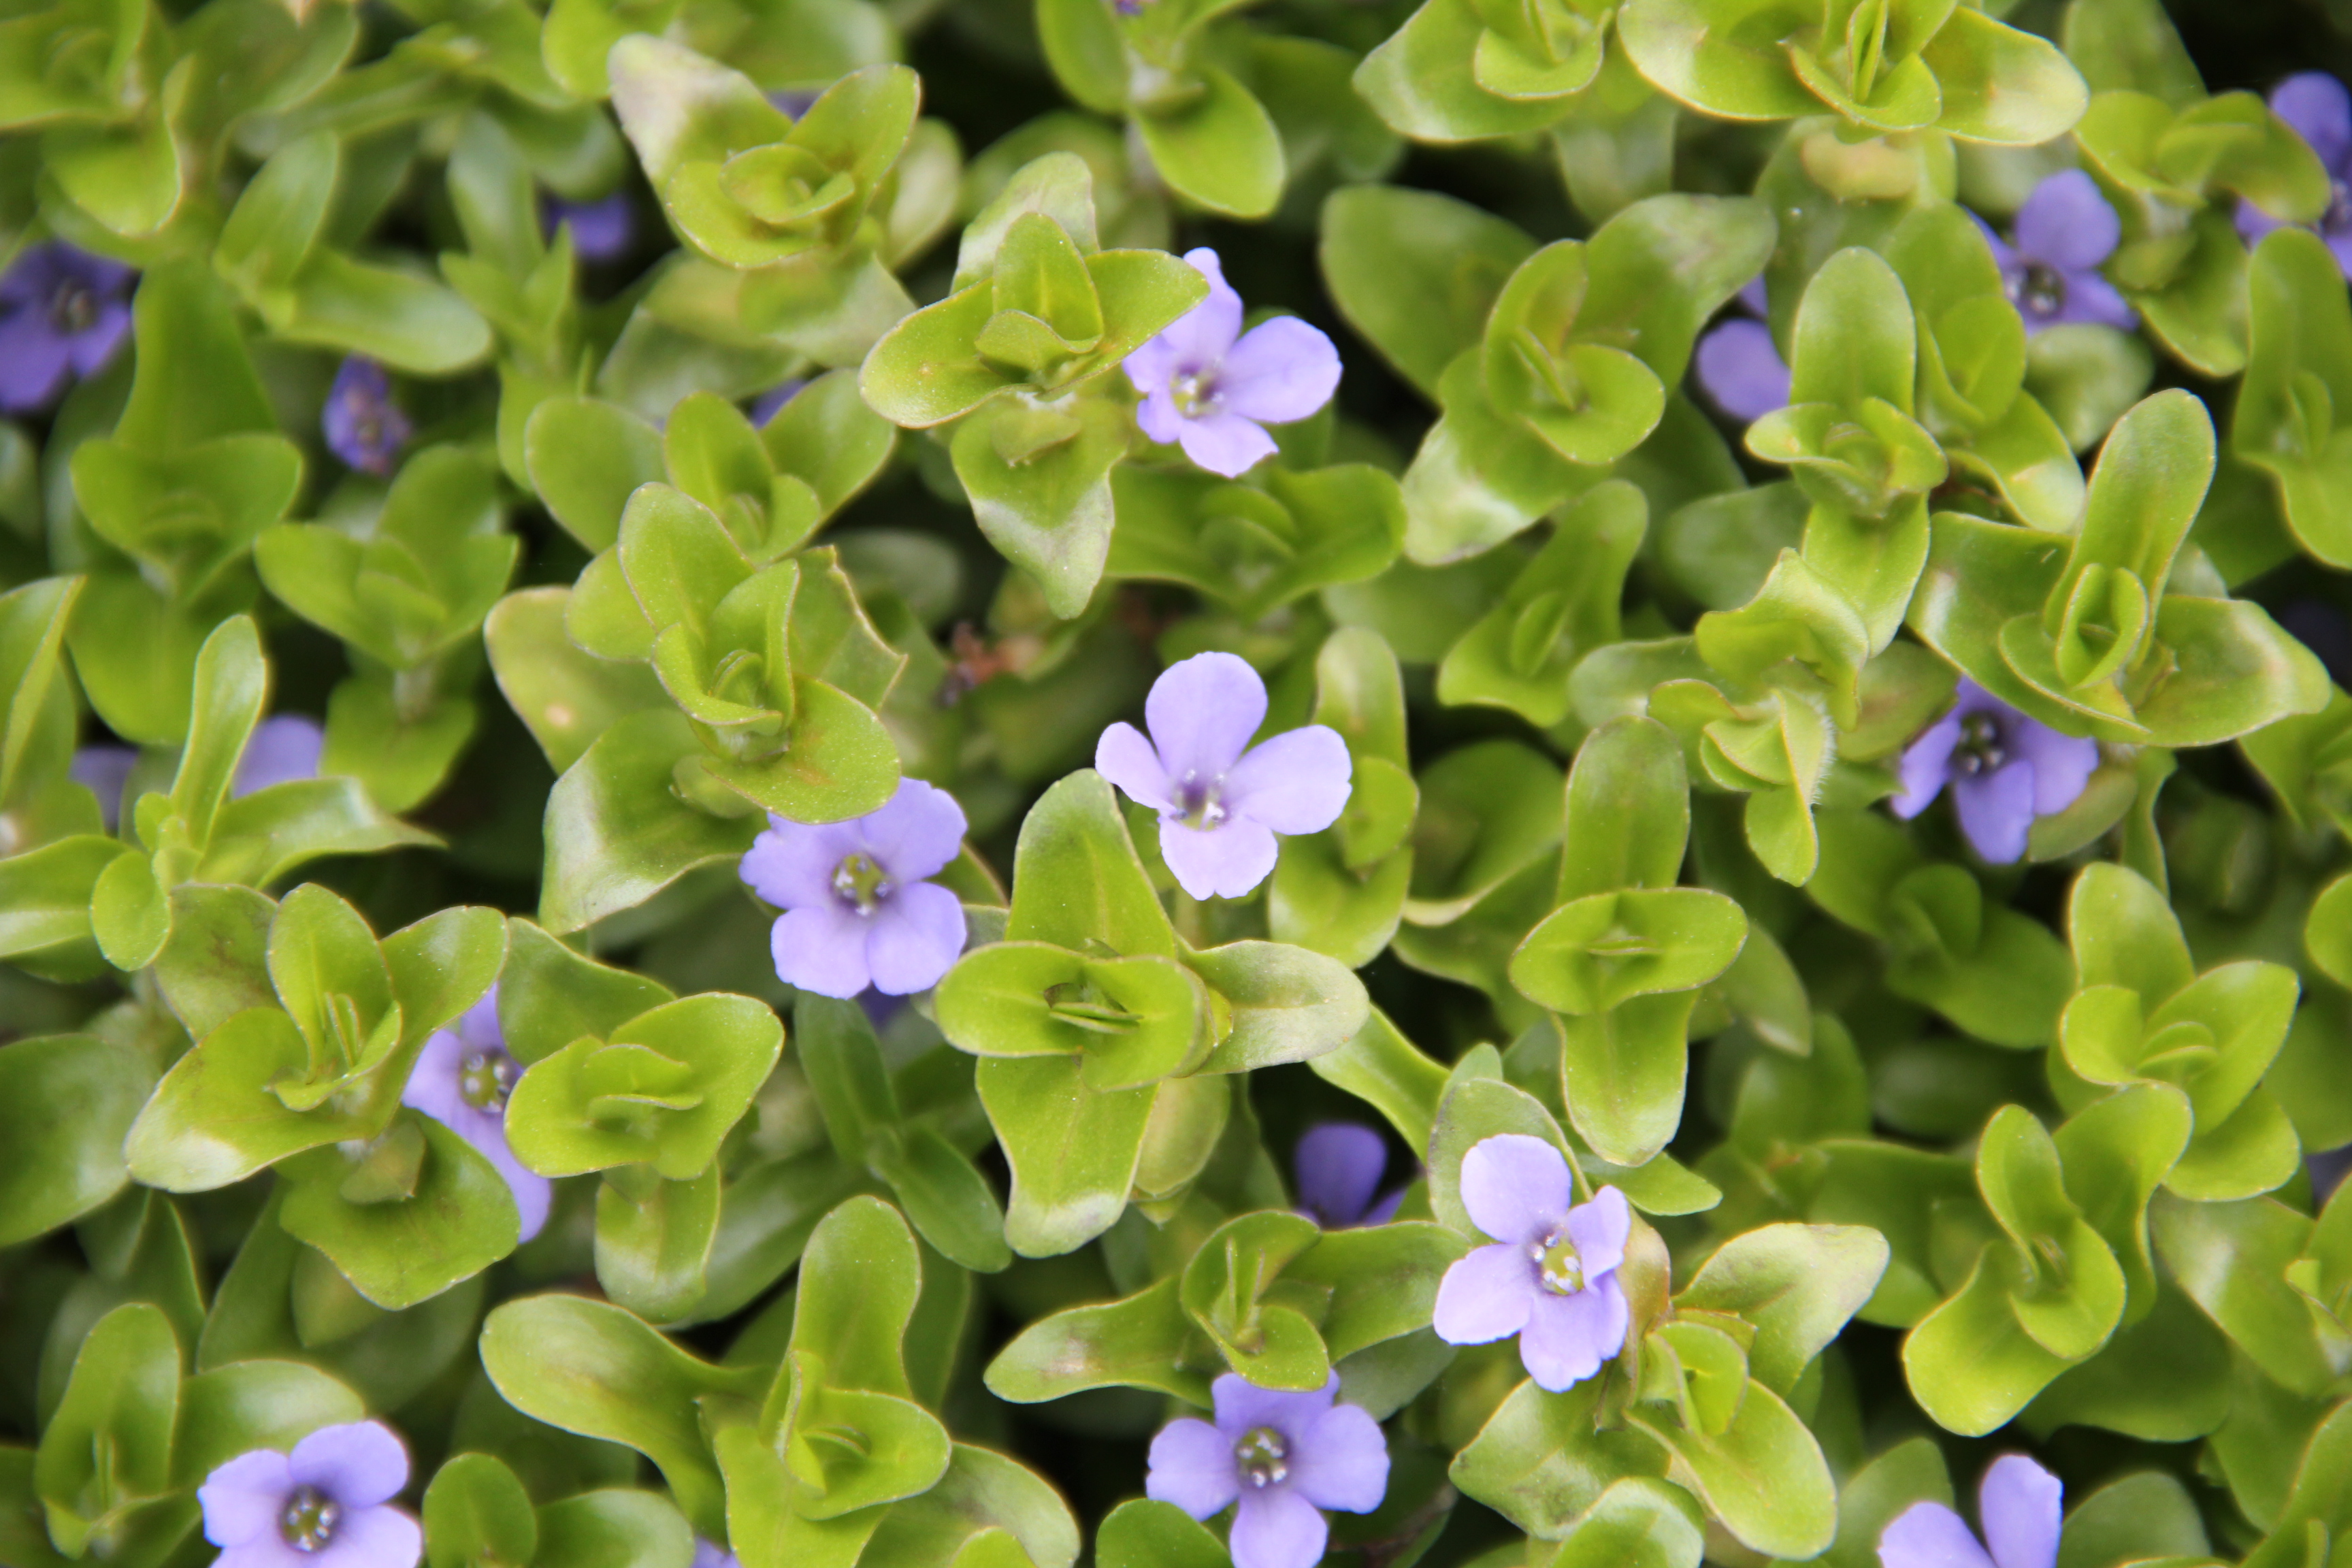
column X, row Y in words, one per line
column 462, row 1079
column 63, row 313
column 363, row 426
column 1220, row 799
column 2018, row 1506
column 2316, row 108
column 1282, row 1457
column 327, row 1504
column 1339, row 1165
column 709, row 1553
column 795, row 101
column 1212, row 388
column 857, row 910
column 105, row 770
column 1551, row 1276
column 279, row 750
column 2064, row 232
column 771, row 402
column 601, row 230
column 1737, row 365
column 2004, row 770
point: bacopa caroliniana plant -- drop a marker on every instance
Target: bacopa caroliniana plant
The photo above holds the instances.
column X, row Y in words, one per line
column 855, row 784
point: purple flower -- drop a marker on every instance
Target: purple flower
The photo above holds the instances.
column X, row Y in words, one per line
column 1551, row 1276
column 709, row 1553
column 1282, row 1456
column 462, row 1079
column 2317, row 109
column 1211, row 387
column 795, row 101
column 62, row 311
column 1220, row 799
column 327, row 1504
column 363, row 426
column 771, row 402
column 2017, row 1504
column 279, row 750
column 1340, row 1164
column 105, row 770
column 1742, row 371
column 601, row 230
column 857, row 912
column 2064, row 230
column 2004, row 770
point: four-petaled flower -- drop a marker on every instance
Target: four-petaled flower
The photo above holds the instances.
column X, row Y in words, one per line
column 2018, row 1506
column 2064, row 232
column 601, row 230
column 2317, row 109
column 363, row 425
column 462, row 1079
column 1220, row 799
column 1282, row 1457
column 1737, row 365
column 1551, row 1276
column 857, row 910
column 1212, row 388
column 327, row 1504
column 2004, row 770
column 1339, row 1165
column 62, row 311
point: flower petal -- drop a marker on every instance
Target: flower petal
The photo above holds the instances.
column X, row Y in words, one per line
column 2320, row 111
column 2253, row 223
column 1159, row 416
column 2019, row 1505
column 1997, row 811
column 2067, row 224
column 372, row 1538
column 433, row 1084
column 1485, row 1295
column 1227, row 861
column 1515, row 1186
column 792, row 864
column 1341, row 1460
column 914, row 938
column 915, row 833
column 33, row 359
column 1192, row 1465
column 1281, row 370
column 1599, row 1229
column 1150, row 368
column 1297, row 781
column 1923, row 767
column 1201, row 712
column 1929, row 1535
column 241, row 1498
column 1130, row 761
column 2062, row 765
column 1224, row 443
column 1200, row 337
column 1242, row 1405
column 822, row 949
column 358, row 1462
column 279, row 750
column 1339, row 1165
column 1278, row 1528
column 1568, row 1337
column 91, row 348
column 104, row 771
column 2092, row 300
column 1740, row 370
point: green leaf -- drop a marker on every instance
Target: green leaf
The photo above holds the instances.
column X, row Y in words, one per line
column 1797, row 1284
column 1415, row 272
column 592, row 1368
column 1218, row 147
column 476, row 1512
column 66, row 1103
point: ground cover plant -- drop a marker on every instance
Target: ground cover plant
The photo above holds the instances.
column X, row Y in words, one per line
column 985, row 783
